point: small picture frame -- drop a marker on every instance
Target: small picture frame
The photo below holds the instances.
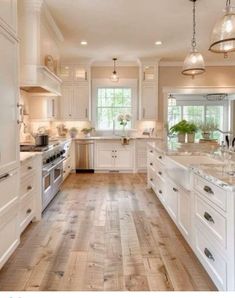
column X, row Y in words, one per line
column 50, row 63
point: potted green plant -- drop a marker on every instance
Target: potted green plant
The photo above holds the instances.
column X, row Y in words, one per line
column 192, row 129
column 87, row 131
column 181, row 128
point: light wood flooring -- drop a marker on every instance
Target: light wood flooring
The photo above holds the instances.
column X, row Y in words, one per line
column 104, row 232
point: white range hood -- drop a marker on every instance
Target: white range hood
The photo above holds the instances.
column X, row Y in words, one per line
column 35, row 77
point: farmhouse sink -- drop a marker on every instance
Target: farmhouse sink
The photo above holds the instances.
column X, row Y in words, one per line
column 178, row 167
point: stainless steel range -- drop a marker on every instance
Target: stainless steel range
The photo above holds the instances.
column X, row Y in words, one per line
column 52, row 169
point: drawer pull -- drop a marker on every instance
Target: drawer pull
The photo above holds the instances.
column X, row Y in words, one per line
column 208, row 217
column 3, row 177
column 208, row 254
column 29, row 187
column 28, row 211
column 175, row 190
column 30, row 168
column 151, row 164
column 151, row 179
column 160, row 173
column 160, row 157
column 160, row 191
column 151, row 151
column 208, row 189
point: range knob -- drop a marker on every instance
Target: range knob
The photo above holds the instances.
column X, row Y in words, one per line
column 47, row 160
column 58, row 155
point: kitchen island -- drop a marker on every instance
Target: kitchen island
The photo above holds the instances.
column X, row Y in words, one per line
column 197, row 190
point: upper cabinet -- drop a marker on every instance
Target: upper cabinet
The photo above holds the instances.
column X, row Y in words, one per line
column 148, row 90
column 74, row 73
column 43, row 108
column 8, row 15
column 75, row 99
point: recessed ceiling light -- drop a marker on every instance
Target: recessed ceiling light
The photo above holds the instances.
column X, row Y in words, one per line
column 83, row 43
column 158, row 43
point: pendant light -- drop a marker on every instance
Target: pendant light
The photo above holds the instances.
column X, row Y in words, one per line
column 114, row 76
column 223, row 34
column 194, row 62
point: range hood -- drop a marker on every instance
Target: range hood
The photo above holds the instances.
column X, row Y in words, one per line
column 40, row 80
column 36, row 29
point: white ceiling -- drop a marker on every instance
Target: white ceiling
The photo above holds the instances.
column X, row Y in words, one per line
column 128, row 28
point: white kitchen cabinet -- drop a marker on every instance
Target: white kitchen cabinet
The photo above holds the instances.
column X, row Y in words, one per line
column 172, row 199
column 74, row 73
column 8, row 14
column 184, row 213
column 114, row 156
column 9, row 206
column 9, row 95
column 148, row 102
column 81, row 102
column 148, row 90
column 43, row 108
column 74, row 102
column 141, row 155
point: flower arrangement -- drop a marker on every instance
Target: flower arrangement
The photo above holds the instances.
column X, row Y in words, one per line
column 124, row 119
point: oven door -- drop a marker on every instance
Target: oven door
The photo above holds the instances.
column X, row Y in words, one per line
column 47, row 188
column 57, row 177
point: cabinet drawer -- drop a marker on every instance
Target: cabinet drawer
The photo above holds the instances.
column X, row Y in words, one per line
column 26, row 167
column 8, row 232
column 212, row 221
column 8, row 188
column 160, row 157
column 159, row 188
column 212, row 260
column 27, row 185
column 214, row 193
column 151, row 177
column 26, row 210
column 160, row 172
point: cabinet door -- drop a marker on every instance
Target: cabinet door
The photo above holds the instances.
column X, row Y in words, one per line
column 172, row 200
column 184, row 212
column 8, row 12
column 104, row 158
column 141, row 155
column 81, row 102
column 148, row 101
column 66, row 103
column 124, row 158
column 9, row 94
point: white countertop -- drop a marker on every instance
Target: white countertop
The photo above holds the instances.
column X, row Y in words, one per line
column 27, row 155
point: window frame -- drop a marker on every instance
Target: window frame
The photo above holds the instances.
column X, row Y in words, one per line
column 107, row 83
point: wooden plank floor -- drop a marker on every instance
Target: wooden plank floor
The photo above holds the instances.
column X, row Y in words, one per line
column 104, row 232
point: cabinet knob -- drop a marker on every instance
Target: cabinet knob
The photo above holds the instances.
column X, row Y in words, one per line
column 29, row 187
column 28, row 211
column 160, row 157
column 151, row 179
column 175, row 189
column 208, row 254
column 208, row 189
column 160, row 173
column 160, row 191
column 151, row 151
column 208, row 217
column 151, row 163
column 30, row 168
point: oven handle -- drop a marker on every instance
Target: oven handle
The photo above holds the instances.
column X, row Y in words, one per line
column 56, row 165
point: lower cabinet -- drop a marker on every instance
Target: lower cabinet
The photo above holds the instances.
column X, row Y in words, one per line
column 171, row 200
column 114, row 156
column 9, row 206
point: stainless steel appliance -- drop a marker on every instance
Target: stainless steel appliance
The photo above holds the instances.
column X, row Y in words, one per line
column 53, row 157
column 84, row 150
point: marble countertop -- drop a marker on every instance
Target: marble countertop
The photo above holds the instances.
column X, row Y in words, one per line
column 222, row 175
column 27, row 155
column 174, row 148
column 110, row 137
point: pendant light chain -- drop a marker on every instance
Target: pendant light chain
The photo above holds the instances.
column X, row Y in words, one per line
column 194, row 43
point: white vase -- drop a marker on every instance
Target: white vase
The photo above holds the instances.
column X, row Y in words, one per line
column 181, row 137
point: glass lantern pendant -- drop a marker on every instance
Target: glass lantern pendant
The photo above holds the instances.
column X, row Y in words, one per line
column 223, row 34
column 114, row 77
column 194, row 63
